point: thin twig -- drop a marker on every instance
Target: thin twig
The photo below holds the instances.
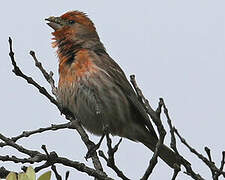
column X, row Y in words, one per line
column 173, row 139
column 162, row 134
column 16, row 159
column 67, row 175
column 140, row 95
column 57, row 175
column 208, row 152
column 48, row 76
column 111, row 160
column 53, row 127
column 221, row 166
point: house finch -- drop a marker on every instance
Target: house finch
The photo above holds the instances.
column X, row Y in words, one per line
column 95, row 89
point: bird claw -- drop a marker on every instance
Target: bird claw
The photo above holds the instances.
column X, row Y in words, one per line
column 95, row 147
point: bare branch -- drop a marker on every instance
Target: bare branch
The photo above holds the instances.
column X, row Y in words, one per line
column 50, row 158
column 184, row 162
column 19, row 73
column 200, row 156
column 21, row 149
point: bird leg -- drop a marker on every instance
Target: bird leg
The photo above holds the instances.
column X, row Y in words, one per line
column 95, row 147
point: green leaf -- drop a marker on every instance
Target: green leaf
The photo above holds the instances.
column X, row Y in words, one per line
column 45, row 176
column 30, row 173
column 23, row 176
column 11, row 176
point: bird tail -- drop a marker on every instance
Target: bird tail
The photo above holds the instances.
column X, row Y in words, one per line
column 165, row 153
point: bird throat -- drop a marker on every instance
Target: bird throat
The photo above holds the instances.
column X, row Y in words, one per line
column 67, row 50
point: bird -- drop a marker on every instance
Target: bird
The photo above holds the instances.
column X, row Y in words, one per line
column 94, row 87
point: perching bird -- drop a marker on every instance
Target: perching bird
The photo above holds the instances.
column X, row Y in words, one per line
column 95, row 89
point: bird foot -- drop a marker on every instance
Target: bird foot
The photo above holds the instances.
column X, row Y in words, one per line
column 95, row 147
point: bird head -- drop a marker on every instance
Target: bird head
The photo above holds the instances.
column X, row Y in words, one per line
column 73, row 26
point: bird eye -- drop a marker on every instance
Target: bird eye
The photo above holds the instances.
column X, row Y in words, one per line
column 71, row 21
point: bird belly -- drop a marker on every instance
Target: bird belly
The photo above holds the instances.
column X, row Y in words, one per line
column 97, row 105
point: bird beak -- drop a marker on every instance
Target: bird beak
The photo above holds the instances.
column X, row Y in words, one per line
column 55, row 22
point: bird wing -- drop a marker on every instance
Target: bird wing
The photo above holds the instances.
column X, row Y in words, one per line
column 120, row 79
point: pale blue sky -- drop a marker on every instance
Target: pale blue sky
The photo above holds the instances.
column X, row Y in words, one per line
column 176, row 48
